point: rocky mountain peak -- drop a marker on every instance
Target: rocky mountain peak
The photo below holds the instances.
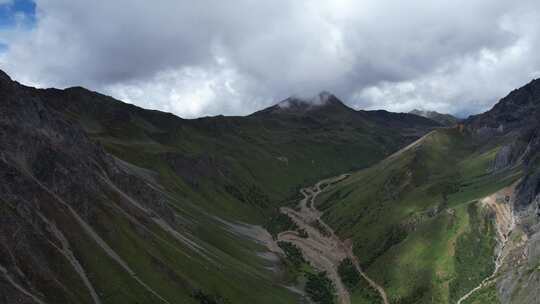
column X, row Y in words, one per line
column 299, row 105
column 322, row 99
column 519, row 109
column 4, row 77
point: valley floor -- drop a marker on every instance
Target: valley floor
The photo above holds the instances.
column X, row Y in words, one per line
column 319, row 244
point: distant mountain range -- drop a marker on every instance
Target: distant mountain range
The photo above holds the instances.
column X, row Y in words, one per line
column 443, row 119
column 105, row 202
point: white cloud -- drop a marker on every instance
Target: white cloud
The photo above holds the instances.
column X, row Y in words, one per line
column 212, row 57
column 470, row 83
column 192, row 92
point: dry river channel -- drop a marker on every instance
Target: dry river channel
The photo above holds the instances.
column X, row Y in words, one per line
column 322, row 247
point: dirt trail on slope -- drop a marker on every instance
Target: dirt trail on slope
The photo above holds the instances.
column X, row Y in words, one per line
column 501, row 204
column 410, row 146
column 323, row 249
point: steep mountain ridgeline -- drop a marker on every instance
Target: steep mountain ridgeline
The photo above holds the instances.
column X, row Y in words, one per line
column 426, row 224
column 105, row 202
column 266, row 152
column 78, row 225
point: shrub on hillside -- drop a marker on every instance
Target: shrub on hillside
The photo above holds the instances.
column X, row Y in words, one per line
column 293, row 253
column 320, row 288
column 349, row 276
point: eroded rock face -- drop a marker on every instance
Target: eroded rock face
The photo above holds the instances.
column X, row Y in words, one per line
column 515, row 120
column 53, row 180
column 521, row 282
column 519, row 279
column 529, row 189
column 518, row 110
column 503, row 159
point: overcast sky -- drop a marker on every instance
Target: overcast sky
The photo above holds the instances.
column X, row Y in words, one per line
column 209, row 57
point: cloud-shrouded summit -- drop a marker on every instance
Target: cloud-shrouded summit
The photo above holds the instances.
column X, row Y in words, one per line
column 196, row 58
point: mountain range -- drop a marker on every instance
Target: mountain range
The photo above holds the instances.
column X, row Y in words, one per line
column 444, row 119
column 105, row 202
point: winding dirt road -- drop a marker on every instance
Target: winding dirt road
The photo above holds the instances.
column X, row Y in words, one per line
column 324, row 250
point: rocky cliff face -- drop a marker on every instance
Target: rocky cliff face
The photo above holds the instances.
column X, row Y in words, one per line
column 519, row 284
column 55, row 186
column 516, row 113
column 515, row 121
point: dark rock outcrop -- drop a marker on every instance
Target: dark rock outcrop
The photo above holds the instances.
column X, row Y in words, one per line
column 515, row 121
column 54, row 182
column 518, row 111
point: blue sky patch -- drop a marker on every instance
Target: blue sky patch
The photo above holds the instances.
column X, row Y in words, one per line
column 3, row 47
column 18, row 13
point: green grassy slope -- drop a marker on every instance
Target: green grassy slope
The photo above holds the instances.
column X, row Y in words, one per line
column 210, row 170
column 413, row 217
column 259, row 160
column 414, row 220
